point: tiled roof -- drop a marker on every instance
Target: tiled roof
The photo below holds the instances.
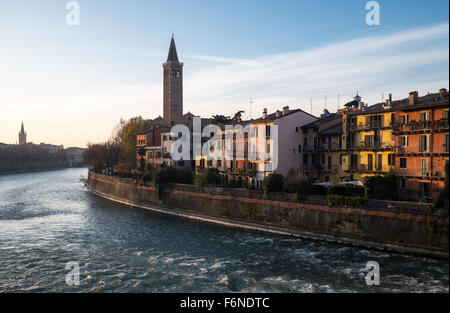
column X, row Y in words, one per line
column 324, row 119
column 273, row 116
column 333, row 130
column 403, row 104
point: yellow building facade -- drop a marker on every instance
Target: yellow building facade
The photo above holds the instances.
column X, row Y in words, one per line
column 369, row 141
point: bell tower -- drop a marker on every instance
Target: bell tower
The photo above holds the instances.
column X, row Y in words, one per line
column 173, row 86
column 22, row 136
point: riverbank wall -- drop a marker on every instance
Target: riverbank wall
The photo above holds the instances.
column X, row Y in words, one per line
column 396, row 226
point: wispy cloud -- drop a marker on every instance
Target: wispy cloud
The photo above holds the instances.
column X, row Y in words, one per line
column 398, row 63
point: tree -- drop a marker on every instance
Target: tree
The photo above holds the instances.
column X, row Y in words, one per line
column 238, row 116
column 128, row 137
column 220, row 119
column 381, row 187
column 141, row 152
column 273, row 183
column 101, row 155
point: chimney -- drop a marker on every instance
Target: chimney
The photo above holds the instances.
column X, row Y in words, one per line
column 285, row 110
column 278, row 113
column 413, row 95
column 388, row 103
column 442, row 90
column 264, row 115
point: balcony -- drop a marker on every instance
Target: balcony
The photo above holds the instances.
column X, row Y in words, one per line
column 309, row 168
column 364, row 168
column 419, row 174
column 441, row 149
column 330, row 147
column 421, row 126
column 309, row 148
column 367, row 126
column 333, row 170
column 373, row 146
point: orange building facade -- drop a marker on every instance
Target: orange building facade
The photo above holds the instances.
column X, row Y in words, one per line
column 421, row 133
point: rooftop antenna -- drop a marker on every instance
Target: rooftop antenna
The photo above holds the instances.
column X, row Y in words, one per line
column 382, row 97
column 250, row 102
column 338, row 101
column 325, row 102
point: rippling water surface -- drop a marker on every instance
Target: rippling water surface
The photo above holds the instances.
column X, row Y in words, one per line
column 49, row 218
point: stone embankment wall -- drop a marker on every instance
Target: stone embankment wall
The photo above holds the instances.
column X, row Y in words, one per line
column 400, row 226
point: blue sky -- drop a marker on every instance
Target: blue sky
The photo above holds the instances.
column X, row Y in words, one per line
column 71, row 84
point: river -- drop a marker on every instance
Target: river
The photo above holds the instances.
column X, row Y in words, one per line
column 49, row 218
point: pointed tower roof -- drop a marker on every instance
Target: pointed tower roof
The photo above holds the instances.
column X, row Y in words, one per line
column 173, row 56
column 21, row 129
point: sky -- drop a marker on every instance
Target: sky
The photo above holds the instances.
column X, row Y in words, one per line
column 71, row 84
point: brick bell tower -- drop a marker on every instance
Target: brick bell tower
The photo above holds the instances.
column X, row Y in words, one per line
column 173, row 86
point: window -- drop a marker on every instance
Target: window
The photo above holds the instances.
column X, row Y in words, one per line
column 423, row 189
column 423, row 143
column 267, row 131
column 296, row 129
column 391, row 159
column 403, row 119
column 268, row 148
column 299, row 148
column 445, row 114
column 323, row 159
column 446, row 142
column 402, row 162
column 340, row 159
column 403, row 141
column 324, row 140
column 305, row 159
column 424, row 116
column 380, row 162
column 424, row 166
column 305, row 141
column 329, row 162
column 403, row 183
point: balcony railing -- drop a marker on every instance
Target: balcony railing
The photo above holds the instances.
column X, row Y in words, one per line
column 437, row 149
column 419, row 173
column 309, row 148
column 421, row 126
column 330, row 146
column 367, row 126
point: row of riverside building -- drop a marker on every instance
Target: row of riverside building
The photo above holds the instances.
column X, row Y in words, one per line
column 409, row 136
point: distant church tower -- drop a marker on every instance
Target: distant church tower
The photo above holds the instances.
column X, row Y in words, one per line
column 22, row 136
column 173, row 86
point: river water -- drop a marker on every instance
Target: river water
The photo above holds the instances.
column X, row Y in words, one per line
column 49, row 218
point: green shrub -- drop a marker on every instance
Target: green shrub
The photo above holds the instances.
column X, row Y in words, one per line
column 207, row 176
column 292, row 181
column 147, row 178
column 346, row 190
column 337, row 200
column 273, row 183
column 381, row 187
